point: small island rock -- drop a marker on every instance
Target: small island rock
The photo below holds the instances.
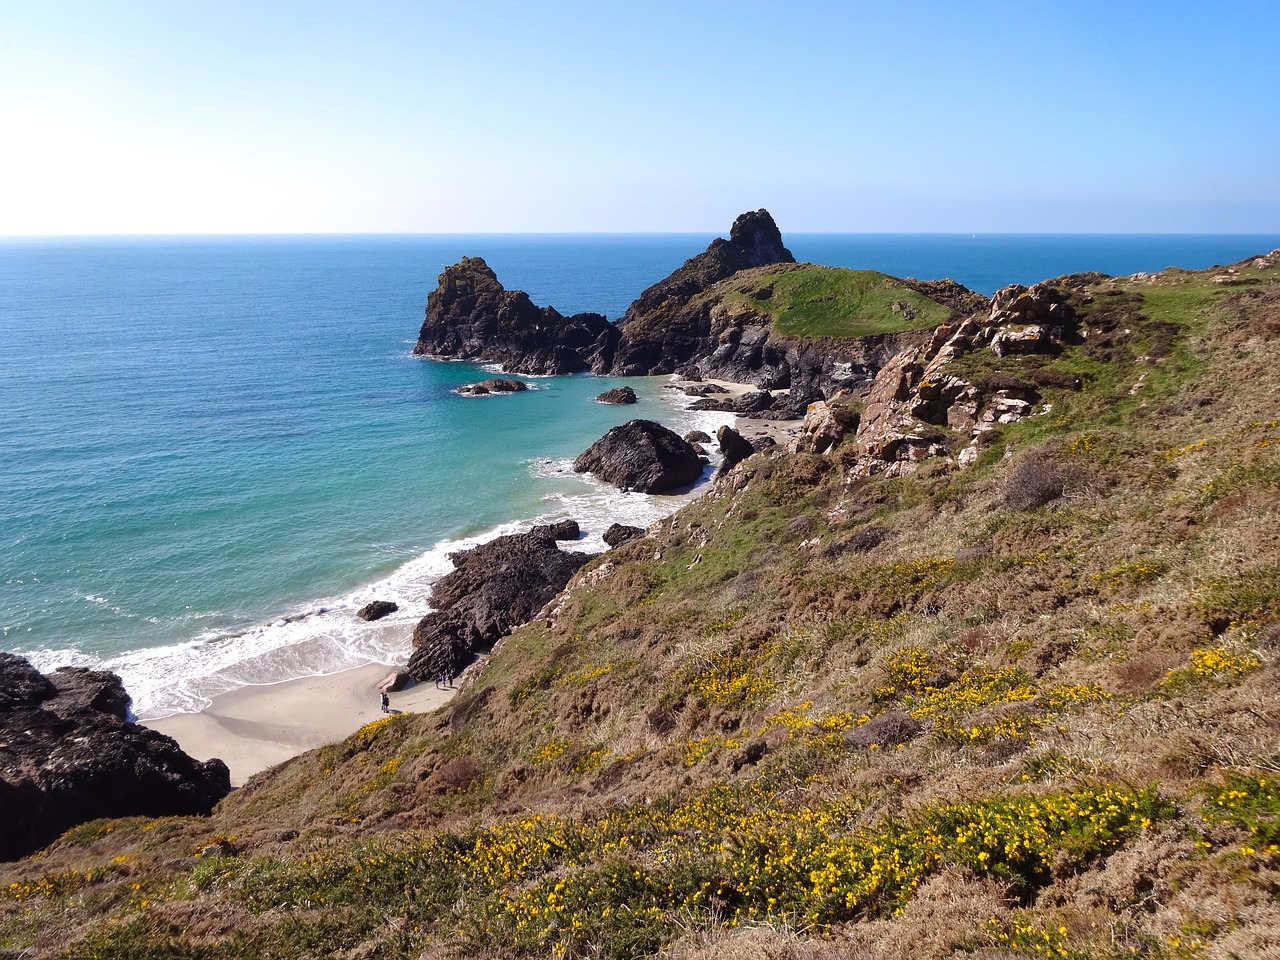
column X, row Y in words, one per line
column 492, row 385
column 617, row 395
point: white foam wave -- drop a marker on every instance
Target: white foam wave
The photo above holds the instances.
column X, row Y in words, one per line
column 326, row 636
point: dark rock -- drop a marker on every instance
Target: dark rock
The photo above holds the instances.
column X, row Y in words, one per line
column 67, row 755
column 742, row 404
column 641, row 455
column 492, row 589
column 697, row 436
column 662, row 330
column 492, row 385
column 617, row 395
column 79, row 688
column 705, row 390
column 734, row 447
column 21, row 684
column 560, row 530
column 620, row 533
column 377, row 609
column 471, row 316
column 762, row 442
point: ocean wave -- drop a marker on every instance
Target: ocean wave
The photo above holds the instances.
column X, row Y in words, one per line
column 325, row 636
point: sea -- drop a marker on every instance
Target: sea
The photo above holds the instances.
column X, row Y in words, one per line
column 214, row 450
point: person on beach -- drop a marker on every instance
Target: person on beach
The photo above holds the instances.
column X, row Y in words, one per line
column 386, row 702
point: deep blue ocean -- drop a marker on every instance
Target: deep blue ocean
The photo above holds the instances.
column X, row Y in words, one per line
column 207, row 442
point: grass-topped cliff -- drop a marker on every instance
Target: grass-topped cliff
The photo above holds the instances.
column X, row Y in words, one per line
column 806, row 300
column 1021, row 709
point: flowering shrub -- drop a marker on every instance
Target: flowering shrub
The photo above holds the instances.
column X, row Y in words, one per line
column 1252, row 803
column 1215, row 665
column 618, row 885
column 732, row 681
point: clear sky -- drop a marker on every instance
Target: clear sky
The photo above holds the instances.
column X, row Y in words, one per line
column 222, row 116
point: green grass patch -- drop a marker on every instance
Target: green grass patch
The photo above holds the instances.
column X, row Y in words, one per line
column 817, row 301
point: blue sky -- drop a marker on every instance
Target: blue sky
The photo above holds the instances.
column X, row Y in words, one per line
column 248, row 117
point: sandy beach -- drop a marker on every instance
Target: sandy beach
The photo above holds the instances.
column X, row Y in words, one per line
column 782, row 431
column 256, row 727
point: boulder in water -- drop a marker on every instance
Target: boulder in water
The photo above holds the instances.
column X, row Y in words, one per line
column 641, row 455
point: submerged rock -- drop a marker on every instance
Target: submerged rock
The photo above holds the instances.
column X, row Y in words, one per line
column 641, row 455
column 492, row 385
column 68, row 754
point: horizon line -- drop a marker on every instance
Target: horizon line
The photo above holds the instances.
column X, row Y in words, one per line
column 621, row 233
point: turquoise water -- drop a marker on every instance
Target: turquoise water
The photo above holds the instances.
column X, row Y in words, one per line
column 207, row 442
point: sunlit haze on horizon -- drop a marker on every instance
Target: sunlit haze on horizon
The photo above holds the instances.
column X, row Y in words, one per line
column 248, row 117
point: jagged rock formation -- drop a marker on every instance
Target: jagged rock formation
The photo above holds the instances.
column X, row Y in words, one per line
column 69, row 754
column 914, row 396
column 705, row 320
column 665, row 329
column 641, row 455
column 471, row 316
column 492, row 589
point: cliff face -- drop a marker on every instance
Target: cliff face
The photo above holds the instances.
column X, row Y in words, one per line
column 471, row 316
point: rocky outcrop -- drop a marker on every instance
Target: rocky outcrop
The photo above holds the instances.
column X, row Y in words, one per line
column 620, row 533
column 560, row 530
column 491, row 386
column 734, row 448
column 377, row 609
column 915, row 397
column 665, row 328
column 471, row 316
column 703, row 321
column 641, row 455
column 617, row 395
column 69, row 754
column 826, row 423
column 492, row 589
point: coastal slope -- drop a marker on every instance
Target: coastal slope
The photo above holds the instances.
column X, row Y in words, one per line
column 985, row 667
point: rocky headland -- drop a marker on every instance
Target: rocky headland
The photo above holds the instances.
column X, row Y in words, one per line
column 742, row 310
column 471, row 316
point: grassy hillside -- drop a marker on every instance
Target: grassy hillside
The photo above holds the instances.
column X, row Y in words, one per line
column 806, row 300
column 1024, row 709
